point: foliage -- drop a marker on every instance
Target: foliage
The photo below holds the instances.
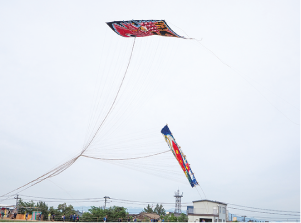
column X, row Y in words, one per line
column 43, row 207
column 30, row 206
column 112, row 213
column 55, row 211
column 159, row 210
column 148, row 209
column 172, row 218
column 183, row 218
column 27, row 207
column 64, row 209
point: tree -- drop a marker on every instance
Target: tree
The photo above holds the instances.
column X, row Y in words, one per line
column 183, row 218
column 159, row 210
column 64, row 209
column 172, row 218
column 148, row 209
column 112, row 213
column 55, row 211
column 43, row 207
column 27, row 207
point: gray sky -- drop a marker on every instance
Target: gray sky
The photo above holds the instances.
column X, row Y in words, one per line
column 60, row 68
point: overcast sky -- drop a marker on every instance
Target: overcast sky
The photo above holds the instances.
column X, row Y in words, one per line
column 231, row 100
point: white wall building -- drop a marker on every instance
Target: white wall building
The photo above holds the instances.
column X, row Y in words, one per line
column 207, row 210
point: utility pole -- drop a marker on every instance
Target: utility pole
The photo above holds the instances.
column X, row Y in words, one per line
column 17, row 201
column 106, row 197
column 244, row 218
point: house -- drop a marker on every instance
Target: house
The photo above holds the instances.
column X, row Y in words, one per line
column 208, row 211
column 7, row 209
column 145, row 216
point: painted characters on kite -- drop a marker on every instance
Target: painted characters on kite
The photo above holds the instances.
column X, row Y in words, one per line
column 181, row 158
column 141, row 28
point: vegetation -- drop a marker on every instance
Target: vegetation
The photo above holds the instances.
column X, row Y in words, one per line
column 183, row 218
column 159, row 209
column 148, row 209
column 95, row 213
column 172, row 218
column 112, row 213
column 29, row 207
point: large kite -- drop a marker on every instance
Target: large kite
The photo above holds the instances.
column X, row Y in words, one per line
column 177, row 152
column 141, row 28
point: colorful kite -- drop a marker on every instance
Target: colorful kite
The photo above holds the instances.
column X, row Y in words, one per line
column 141, row 28
column 177, row 152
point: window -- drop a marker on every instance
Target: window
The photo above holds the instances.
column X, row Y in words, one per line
column 224, row 210
column 214, row 210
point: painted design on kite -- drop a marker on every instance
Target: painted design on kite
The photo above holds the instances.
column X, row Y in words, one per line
column 142, row 28
column 181, row 158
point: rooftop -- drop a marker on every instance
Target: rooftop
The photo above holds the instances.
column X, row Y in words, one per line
column 206, row 200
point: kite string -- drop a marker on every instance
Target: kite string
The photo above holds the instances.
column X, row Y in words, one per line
column 206, row 206
column 67, row 164
column 105, row 87
column 199, row 42
column 86, row 147
column 127, row 158
column 250, row 84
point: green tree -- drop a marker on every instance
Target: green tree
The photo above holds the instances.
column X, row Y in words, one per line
column 43, row 207
column 64, row 209
column 172, row 218
column 112, row 213
column 183, row 218
column 159, row 210
column 55, row 211
column 116, row 212
column 27, row 207
column 148, row 209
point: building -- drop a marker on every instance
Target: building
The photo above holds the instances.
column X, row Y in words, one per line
column 7, row 209
column 143, row 216
column 208, row 211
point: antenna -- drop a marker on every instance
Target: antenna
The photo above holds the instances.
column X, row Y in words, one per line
column 178, row 201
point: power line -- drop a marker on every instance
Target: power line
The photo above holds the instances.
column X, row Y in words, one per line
column 263, row 212
column 263, row 209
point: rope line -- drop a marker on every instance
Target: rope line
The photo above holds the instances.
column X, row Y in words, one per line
column 126, row 158
column 67, row 164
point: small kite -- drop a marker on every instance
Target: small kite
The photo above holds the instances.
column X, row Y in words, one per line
column 141, row 28
column 177, row 152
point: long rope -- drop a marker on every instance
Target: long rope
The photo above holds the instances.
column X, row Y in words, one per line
column 126, row 158
column 67, row 164
column 113, row 101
